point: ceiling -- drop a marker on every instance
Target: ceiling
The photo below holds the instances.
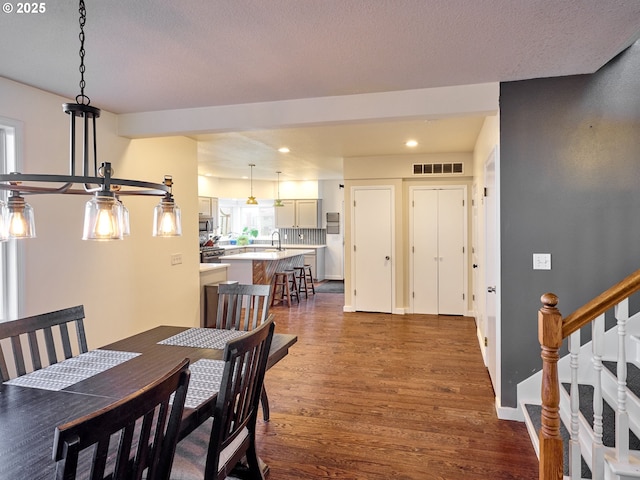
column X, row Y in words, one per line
column 146, row 56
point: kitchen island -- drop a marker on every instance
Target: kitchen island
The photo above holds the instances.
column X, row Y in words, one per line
column 259, row 267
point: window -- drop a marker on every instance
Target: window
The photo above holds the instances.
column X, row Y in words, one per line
column 10, row 251
column 240, row 216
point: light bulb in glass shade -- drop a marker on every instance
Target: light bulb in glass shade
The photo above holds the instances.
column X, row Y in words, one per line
column 166, row 219
column 19, row 220
column 103, row 218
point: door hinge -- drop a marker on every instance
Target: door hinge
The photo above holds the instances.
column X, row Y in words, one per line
column 354, row 292
column 354, row 248
column 462, row 249
column 413, row 249
column 463, row 296
column 463, row 203
column 413, row 294
column 486, row 342
column 473, row 297
column 485, row 192
column 354, row 202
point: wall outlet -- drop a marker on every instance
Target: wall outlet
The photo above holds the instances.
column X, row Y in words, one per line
column 542, row 261
column 176, row 258
column 301, row 236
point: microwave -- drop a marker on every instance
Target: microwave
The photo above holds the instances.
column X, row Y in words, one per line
column 205, row 224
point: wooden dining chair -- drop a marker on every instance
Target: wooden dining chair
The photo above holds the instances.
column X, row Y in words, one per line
column 31, row 343
column 132, row 438
column 213, row 449
column 244, row 307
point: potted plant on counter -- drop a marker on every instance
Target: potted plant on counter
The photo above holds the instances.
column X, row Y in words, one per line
column 249, row 234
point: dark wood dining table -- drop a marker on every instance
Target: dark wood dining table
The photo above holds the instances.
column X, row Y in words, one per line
column 28, row 416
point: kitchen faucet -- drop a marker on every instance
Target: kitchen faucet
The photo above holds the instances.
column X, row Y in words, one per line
column 279, row 242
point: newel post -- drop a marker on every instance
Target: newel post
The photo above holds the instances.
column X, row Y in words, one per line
column 550, row 337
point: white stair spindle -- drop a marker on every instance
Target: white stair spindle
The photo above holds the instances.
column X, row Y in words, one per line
column 622, row 415
column 575, row 467
column 597, row 332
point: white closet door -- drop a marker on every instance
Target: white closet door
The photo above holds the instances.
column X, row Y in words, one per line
column 425, row 251
column 437, row 261
column 451, row 252
column 373, row 249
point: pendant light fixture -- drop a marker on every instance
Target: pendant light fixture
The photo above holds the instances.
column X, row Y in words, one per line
column 106, row 217
column 278, row 201
column 251, row 200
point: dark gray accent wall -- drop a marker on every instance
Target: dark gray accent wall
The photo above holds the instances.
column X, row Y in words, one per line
column 569, row 186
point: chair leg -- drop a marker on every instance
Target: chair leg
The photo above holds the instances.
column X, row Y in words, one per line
column 264, row 400
column 253, row 462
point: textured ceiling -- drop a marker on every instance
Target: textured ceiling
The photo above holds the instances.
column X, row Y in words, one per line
column 148, row 55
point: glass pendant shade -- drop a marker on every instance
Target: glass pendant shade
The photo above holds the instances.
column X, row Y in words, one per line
column 126, row 226
column 167, row 221
column 18, row 219
column 103, row 218
column 252, row 200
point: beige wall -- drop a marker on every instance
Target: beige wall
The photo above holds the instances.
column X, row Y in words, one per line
column 397, row 171
column 126, row 286
column 235, row 188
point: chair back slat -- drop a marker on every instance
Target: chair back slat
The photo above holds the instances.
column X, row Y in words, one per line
column 27, row 334
column 146, row 422
column 242, row 307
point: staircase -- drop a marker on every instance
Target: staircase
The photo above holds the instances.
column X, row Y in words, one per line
column 582, row 411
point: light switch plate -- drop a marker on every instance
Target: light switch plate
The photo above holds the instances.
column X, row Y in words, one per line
column 542, row 261
column 176, row 259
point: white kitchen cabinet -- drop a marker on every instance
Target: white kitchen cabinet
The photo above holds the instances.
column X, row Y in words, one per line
column 208, row 206
column 299, row 214
column 204, row 206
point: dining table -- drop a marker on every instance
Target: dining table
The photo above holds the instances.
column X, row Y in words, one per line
column 31, row 406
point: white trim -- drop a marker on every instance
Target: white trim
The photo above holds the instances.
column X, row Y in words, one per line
column 13, row 250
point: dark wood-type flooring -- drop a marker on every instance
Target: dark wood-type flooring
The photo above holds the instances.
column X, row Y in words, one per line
column 376, row 396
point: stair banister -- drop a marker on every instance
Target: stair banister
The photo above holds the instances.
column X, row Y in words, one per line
column 552, row 330
column 550, row 336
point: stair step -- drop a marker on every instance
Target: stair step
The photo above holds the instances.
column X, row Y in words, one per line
column 535, row 413
column 633, row 375
column 585, row 392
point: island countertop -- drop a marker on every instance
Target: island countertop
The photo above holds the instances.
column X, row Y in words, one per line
column 266, row 255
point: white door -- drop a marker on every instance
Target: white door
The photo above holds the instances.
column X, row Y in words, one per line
column 451, row 252
column 491, row 267
column 372, row 249
column 438, row 250
column 424, row 246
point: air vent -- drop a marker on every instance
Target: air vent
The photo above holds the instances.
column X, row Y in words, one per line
column 438, row 168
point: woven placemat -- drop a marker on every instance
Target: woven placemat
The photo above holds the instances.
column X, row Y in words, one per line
column 206, row 376
column 73, row 370
column 203, row 338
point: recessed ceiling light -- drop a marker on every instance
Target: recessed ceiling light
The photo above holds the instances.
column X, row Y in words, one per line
column 283, row 150
column 411, row 143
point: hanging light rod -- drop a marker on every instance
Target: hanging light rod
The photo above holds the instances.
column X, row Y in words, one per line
column 106, row 218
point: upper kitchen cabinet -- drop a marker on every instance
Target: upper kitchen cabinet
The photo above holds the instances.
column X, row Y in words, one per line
column 204, row 206
column 299, row 214
column 208, row 206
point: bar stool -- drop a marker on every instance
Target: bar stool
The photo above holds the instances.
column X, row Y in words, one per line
column 305, row 280
column 284, row 288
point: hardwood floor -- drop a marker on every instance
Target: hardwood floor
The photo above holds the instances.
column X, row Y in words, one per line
column 376, row 396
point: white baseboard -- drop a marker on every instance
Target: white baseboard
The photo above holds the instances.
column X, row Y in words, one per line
column 333, row 277
column 508, row 413
column 348, row 308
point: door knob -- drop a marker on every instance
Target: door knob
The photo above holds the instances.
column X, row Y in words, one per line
column 491, row 289
column 475, row 265
column 387, row 257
